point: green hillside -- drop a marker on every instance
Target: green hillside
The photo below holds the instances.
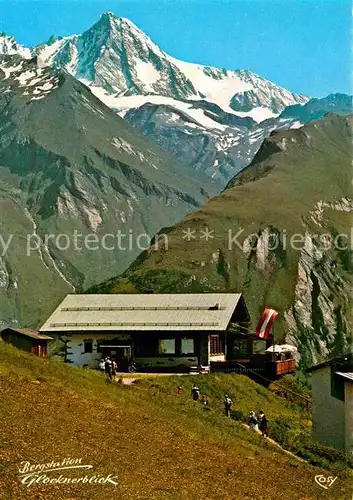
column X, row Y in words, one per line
column 297, row 190
column 161, row 445
column 71, row 172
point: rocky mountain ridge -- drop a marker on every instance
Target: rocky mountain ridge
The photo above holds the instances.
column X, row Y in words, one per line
column 279, row 233
column 126, row 70
column 221, row 144
column 70, row 168
column 122, row 60
column 215, row 119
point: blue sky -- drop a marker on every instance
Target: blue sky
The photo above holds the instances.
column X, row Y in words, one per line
column 303, row 45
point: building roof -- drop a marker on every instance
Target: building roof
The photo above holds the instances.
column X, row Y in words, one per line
column 146, row 312
column 282, row 348
column 346, row 375
column 34, row 334
column 343, row 363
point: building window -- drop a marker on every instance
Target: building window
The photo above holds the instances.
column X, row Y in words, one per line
column 240, row 347
column 337, row 386
column 166, row 346
column 216, row 345
column 187, row 346
column 88, row 346
column 259, row 346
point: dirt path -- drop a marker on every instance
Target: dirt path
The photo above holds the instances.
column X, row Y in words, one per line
column 278, row 446
column 129, row 379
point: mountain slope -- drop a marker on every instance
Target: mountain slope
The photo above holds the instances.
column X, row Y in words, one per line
column 71, row 169
column 157, row 441
column 214, row 141
column 216, row 118
column 317, row 108
column 219, row 152
column 298, row 186
column 126, row 70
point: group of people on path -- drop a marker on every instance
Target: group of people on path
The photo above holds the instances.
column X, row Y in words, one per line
column 256, row 422
column 195, row 394
column 110, row 368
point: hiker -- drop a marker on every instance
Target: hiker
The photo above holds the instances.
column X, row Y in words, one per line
column 204, row 400
column 252, row 421
column 108, row 368
column 227, row 404
column 195, row 393
column 114, row 369
column 263, row 424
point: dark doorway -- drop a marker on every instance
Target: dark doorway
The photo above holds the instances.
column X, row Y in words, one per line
column 116, row 352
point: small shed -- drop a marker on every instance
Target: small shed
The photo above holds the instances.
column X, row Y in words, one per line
column 332, row 395
column 28, row 340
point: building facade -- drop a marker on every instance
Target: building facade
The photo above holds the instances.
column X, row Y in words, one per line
column 163, row 331
column 332, row 403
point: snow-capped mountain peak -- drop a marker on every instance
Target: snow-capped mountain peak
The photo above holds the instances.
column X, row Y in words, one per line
column 108, row 15
column 126, row 69
column 110, row 19
column 119, row 60
column 9, row 46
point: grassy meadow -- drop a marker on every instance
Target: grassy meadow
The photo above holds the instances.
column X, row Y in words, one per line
column 159, row 444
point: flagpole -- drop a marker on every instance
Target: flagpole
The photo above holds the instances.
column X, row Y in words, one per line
column 273, row 340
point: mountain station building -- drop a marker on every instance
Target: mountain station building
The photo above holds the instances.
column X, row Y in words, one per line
column 159, row 331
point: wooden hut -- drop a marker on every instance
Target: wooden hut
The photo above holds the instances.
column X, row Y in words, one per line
column 26, row 339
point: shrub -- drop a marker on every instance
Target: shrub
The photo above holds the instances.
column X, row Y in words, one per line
column 238, row 415
column 300, row 442
column 294, row 388
column 330, row 454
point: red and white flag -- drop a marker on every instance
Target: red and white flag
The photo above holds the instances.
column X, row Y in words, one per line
column 266, row 321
